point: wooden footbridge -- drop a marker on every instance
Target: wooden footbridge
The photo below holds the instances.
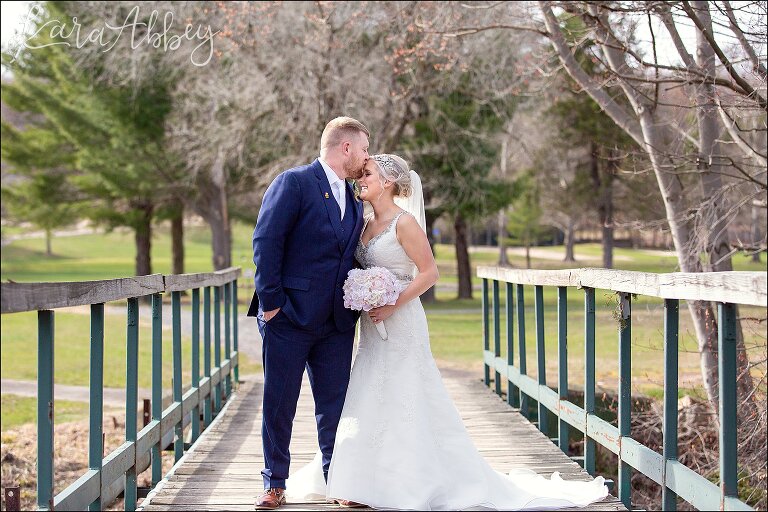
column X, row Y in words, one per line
column 214, row 426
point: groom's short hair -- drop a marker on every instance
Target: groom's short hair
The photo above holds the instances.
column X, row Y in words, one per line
column 339, row 129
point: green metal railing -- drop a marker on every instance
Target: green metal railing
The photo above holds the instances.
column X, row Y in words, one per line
column 725, row 288
column 109, row 476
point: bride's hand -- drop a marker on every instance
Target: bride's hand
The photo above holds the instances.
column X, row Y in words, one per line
column 379, row 314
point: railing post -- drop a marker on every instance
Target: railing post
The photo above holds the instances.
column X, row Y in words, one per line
column 671, row 329
column 178, row 444
column 625, row 392
column 562, row 362
column 45, row 410
column 157, row 383
column 513, row 393
column 95, row 438
column 541, row 355
column 486, row 335
column 217, row 345
column 496, row 335
column 726, row 341
column 589, row 375
column 235, row 345
column 207, row 409
column 131, row 394
column 227, row 339
column 521, row 345
column 196, row 360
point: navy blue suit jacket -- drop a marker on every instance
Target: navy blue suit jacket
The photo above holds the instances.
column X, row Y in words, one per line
column 302, row 257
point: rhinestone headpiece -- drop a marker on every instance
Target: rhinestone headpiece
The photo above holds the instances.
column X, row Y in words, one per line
column 385, row 162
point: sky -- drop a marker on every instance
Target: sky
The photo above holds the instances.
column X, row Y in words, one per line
column 13, row 16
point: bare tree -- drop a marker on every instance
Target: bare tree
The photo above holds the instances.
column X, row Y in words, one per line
column 651, row 121
column 269, row 80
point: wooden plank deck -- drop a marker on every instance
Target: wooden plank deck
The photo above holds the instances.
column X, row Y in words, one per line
column 222, row 472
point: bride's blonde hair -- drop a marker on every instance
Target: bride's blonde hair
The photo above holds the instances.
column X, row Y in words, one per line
column 395, row 169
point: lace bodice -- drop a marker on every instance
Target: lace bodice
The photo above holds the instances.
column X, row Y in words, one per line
column 384, row 250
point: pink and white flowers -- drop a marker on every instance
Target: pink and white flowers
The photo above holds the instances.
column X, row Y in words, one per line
column 366, row 289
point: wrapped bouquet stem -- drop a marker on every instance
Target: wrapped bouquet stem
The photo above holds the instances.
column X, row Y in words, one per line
column 366, row 289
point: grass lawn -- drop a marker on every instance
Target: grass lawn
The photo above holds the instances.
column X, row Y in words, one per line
column 112, row 255
column 455, row 325
column 18, row 410
column 72, row 350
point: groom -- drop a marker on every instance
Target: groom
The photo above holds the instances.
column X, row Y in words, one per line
column 303, row 248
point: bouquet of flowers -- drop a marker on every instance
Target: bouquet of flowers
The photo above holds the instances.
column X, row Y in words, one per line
column 366, row 289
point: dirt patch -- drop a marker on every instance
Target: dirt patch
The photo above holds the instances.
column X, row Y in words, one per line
column 19, row 455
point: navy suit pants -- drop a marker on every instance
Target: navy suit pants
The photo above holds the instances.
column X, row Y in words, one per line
column 287, row 351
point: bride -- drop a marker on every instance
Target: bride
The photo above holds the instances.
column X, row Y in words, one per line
column 401, row 443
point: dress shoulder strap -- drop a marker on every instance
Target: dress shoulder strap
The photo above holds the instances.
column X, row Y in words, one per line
column 366, row 219
column 395, row 219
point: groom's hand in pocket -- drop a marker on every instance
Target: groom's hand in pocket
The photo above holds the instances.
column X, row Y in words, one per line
column 269, row 315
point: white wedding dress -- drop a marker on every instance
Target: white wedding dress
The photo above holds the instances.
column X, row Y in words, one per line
column 401, row 443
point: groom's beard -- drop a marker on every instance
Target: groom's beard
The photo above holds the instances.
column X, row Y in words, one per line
column 355, row 172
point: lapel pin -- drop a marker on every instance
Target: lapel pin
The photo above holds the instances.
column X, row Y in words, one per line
column 326, row 195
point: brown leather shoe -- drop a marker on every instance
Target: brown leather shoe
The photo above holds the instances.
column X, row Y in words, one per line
column 350, row 504
column 271, row 499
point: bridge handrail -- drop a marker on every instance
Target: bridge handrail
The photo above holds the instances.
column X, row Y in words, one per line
column 108, row 476
column 737, row 287
column 20, row 297
column 725, row 288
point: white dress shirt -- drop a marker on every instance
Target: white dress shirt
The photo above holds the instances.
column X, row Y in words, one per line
column 338, row 186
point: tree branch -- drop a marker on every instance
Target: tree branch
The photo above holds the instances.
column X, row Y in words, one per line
column 733, row 131
column 587, row 83
column 615, row 56
column 465, row 31
column 720, row 55
column 669, row 23
column 757, row 66
column 655, row 61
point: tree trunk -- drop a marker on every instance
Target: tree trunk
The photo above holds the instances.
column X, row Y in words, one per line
column 756, row 234
column 177, row 242
column 603, row 183
column 655, row 138
column 672, row 194
column 428, row 297
column 570, row 239
column 606, row 209
column 527, row 254
column 48, row 247
column 462, row 258
column 714, row 230
column 503, row 258
column 143, row 236
column 212, row 205
column 222, row 243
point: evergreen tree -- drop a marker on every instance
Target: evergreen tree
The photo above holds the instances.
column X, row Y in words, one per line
column 524, row 224
column 45, row 200
column 582, row 123
column 454, row 145
column 109, row 136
